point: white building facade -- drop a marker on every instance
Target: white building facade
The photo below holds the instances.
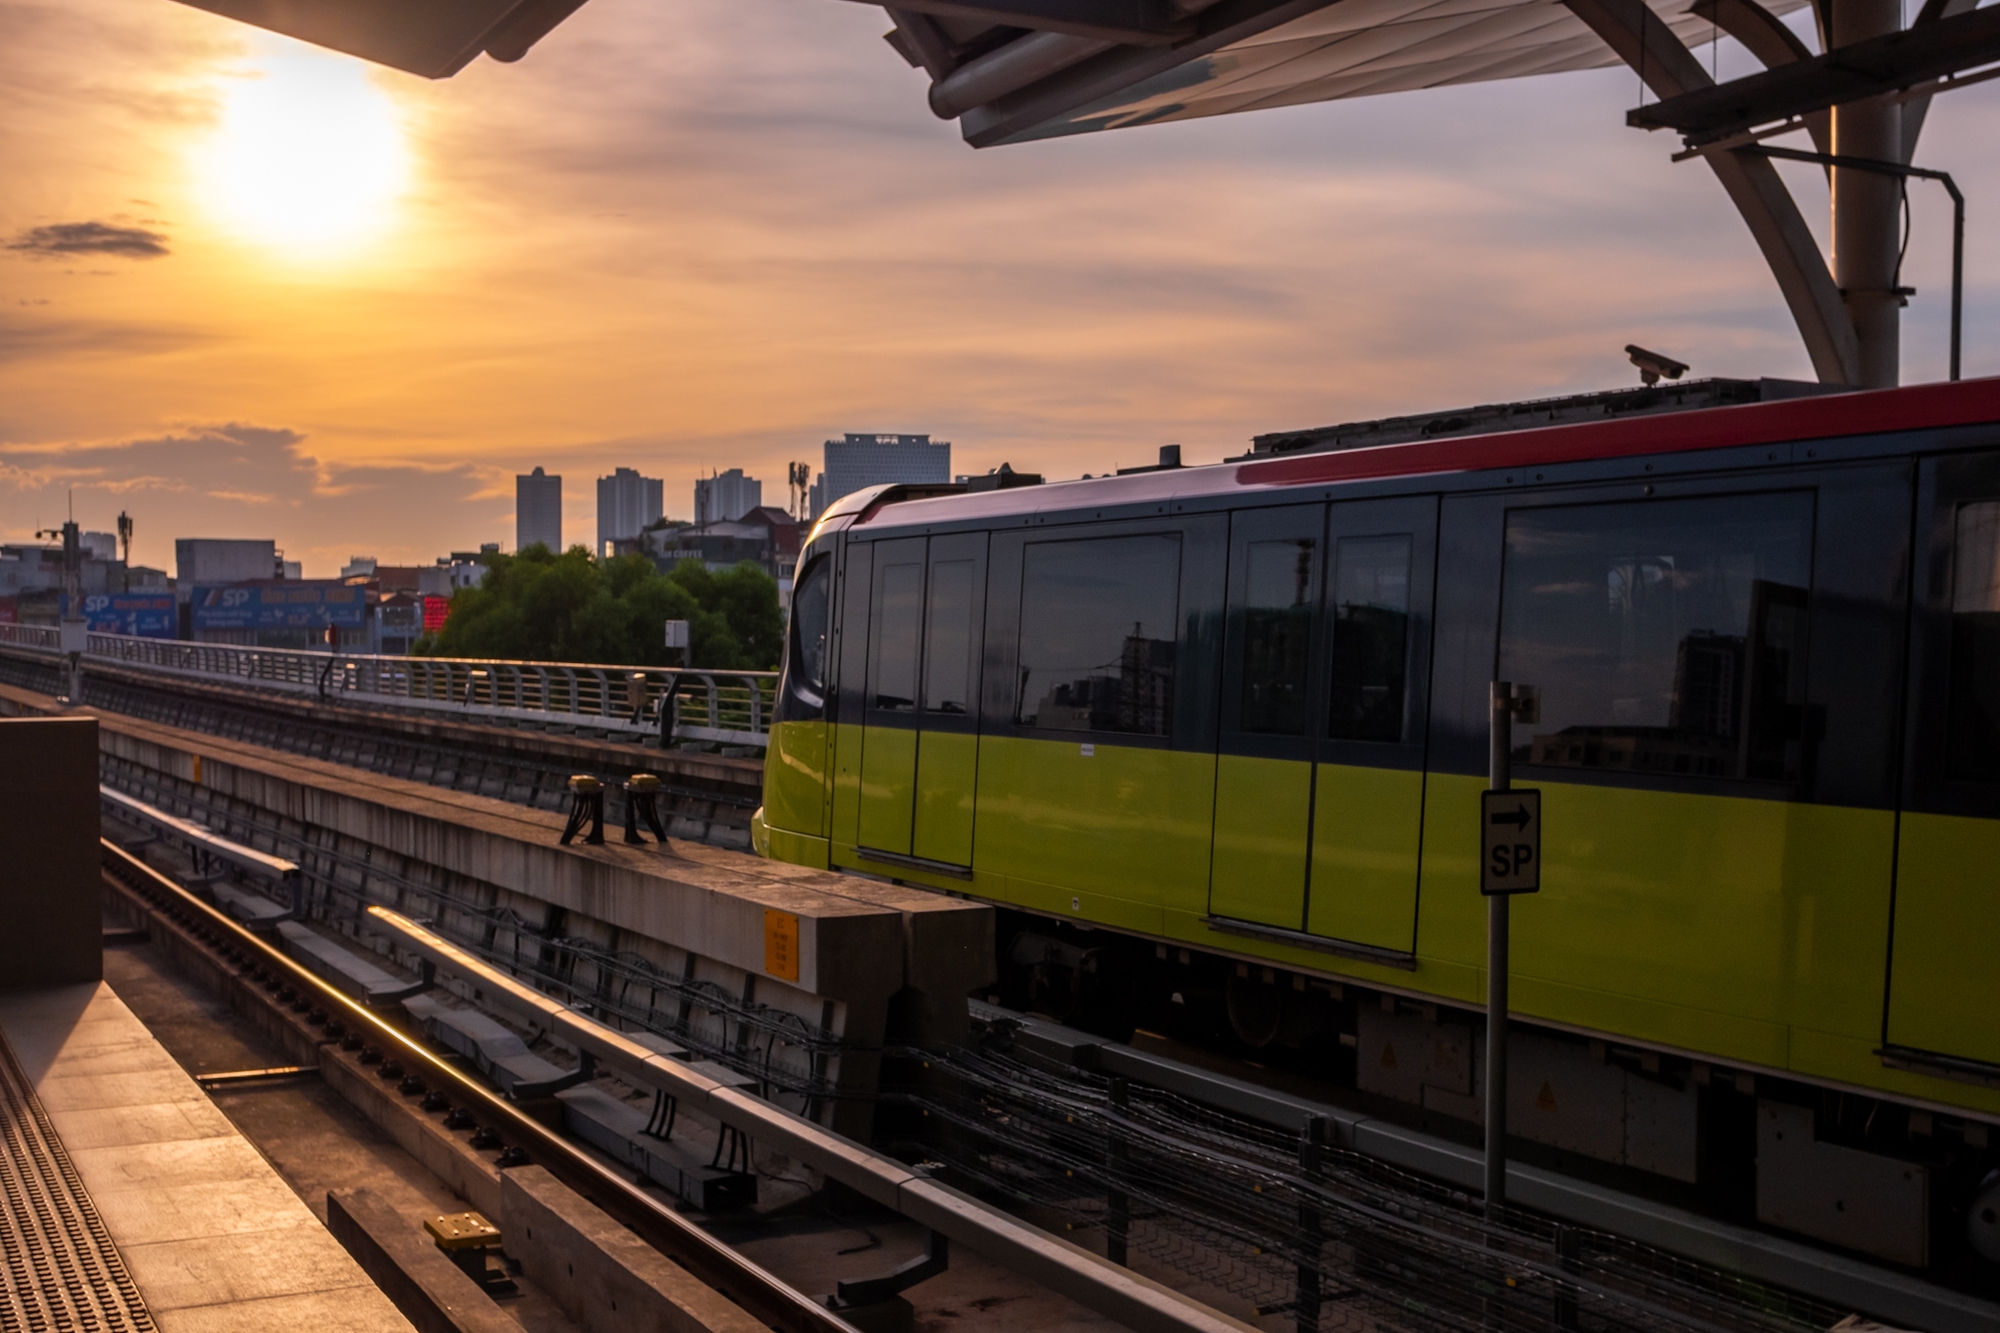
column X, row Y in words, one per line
column 724, row 497
column 860, row 460
column 626, row 503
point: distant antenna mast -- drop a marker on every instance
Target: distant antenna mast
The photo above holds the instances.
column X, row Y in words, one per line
column 125, row 534
column 800, row 476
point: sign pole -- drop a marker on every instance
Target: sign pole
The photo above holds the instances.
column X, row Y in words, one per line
column 1501, row 775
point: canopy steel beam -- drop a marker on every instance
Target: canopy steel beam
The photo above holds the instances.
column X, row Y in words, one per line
column 1847, row 73
column 1133, row 22
column 1644, row 42
column 1765, row 36
column 1917, row 108
column 1116, row 70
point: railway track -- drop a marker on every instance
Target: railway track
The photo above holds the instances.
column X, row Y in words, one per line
column 357, row 1048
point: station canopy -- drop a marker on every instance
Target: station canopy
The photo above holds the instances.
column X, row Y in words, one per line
column 1016, row 70
column 1350, row 48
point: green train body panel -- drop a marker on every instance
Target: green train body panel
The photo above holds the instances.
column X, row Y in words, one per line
column 1707, row 923
column 1125, row 829
column 798, row 848
column 1367, row 832
column 1358, row 827
column 888, row 788
column 947, row 772
column 796, row 777
column 1263, row 811
column 1742, row 929
column 1944, row 990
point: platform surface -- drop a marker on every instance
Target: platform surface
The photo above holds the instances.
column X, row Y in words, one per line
column 214, row 1240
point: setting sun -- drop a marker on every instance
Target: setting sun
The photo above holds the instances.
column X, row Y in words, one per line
column 309, row 155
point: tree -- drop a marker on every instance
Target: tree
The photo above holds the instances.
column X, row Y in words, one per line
column 539, row 606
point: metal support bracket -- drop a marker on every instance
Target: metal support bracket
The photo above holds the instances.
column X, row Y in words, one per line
column 874, row 1290
column 1923, row 173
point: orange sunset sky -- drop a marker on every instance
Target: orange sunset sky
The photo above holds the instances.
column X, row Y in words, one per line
column 252, row 289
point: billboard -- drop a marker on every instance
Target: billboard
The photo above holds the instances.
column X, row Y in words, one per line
column 147, row 614
column 291, row 604
column 436, row 609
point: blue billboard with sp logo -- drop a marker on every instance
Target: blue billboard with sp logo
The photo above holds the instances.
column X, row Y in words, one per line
column 290, row 604
column 148, row 615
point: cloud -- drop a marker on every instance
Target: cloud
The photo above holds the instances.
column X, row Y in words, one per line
column 240, row 479
column 90, row 238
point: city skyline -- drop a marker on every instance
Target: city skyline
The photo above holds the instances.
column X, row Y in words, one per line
column 665, row 270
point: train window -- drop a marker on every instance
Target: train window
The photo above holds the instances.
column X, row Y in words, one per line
column 1371, row 638
column 948, row 667
column 897, row 621
column 1277, row 636
column 1667, row 637
column 1974, row 746
column 1098, row 623
column 810, row 604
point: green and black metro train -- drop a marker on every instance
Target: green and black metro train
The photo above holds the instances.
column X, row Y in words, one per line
column 1216, row 736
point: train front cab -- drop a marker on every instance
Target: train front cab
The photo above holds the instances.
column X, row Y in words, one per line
column 1245, row 730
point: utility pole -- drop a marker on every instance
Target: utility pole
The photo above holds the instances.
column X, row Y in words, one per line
column 74, row 626
column 1510, row 862
column 125, row 539
column 799, row 476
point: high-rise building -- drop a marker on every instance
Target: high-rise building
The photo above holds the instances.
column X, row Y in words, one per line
column 861, row 460
column 538, row 511
column 724, row 497
column 626, row 503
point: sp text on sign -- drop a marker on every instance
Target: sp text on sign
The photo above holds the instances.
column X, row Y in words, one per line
column 1510, row 841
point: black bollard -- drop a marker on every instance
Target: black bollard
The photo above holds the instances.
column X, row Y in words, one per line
column 642, row 796
column 586, row 803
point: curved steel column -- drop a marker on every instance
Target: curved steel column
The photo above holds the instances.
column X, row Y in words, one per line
column 1643, row 41
column 1867, row 205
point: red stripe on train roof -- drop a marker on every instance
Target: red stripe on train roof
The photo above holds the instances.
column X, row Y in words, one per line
column 1924, row 407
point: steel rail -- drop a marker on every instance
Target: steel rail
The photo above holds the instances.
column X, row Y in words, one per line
column 760, row 1292
column 1084, row 1277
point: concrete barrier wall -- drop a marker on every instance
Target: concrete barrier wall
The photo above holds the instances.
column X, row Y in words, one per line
column 832, row 950
column 49, row 894
column 603, row 1276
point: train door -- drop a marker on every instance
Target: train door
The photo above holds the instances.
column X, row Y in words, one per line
column 948, row 725
column 889, row 706
column 1264, row 770
column 1368, row 783
column 1943, row 986
column 1319, row 779
column 921, row 717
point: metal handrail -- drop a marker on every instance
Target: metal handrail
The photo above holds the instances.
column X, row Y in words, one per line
column 627, row 702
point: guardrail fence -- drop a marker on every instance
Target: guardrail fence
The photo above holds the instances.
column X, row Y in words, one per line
column 624, row 702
